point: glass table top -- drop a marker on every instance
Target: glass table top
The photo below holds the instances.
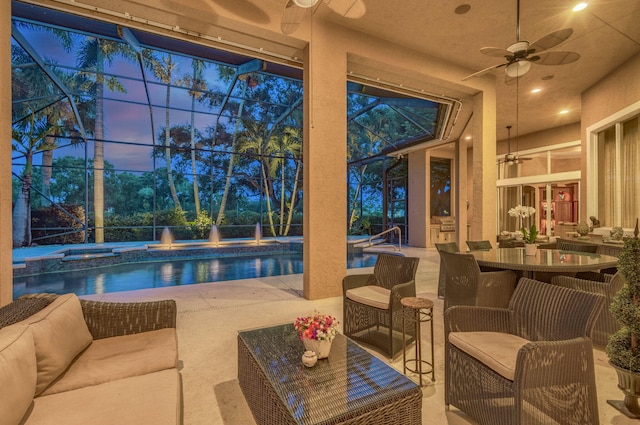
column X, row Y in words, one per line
column 544, row 260
column 349, row 380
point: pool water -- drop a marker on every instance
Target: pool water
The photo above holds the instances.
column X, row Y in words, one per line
column 144, row 275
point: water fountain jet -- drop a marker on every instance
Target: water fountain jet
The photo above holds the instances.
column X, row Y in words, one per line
column 214, row 235
column 258, row 233
column 167, row 237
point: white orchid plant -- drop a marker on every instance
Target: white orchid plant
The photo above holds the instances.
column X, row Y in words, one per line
column 521, row 211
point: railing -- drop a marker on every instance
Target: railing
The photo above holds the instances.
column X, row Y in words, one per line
column 396, row 228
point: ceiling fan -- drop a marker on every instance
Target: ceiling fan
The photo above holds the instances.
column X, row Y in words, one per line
column 522, row 54
column 294, row 11
column 511, row 158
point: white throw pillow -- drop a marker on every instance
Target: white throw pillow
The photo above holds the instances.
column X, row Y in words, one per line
column 60, row 334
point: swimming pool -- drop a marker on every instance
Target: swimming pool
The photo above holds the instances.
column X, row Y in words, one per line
column 174, row 272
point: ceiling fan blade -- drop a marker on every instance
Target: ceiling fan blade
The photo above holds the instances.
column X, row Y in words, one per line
column 550, row 40
column 352, row 9
column 484, row 71
column 557, row 58
column 496, row 52
column 291, row 17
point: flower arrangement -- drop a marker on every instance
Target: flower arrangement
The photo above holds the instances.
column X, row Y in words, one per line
column 528, row 235
column 319, row 327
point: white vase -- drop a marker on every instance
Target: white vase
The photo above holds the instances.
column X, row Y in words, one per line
column 530, row 248
column 309, row 358
column 321, row 348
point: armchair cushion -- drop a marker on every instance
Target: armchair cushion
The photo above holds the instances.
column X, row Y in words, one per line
column 496, row 350
column 371, row 295
column 60, row 334
column 17, row 373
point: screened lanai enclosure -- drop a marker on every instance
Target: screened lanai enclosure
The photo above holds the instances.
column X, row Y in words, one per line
column 119, row 133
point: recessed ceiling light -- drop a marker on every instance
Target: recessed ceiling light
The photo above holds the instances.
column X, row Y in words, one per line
column 462, row 9
column 580, row 6
column 536, row 90
column 468, row 138
column 564, row 111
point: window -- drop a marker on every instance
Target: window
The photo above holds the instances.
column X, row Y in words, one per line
column 617, row 177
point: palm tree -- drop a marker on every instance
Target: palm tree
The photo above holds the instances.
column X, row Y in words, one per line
column 197, row 86
column 28, row 137
column 92, row 55
column 252, row 140
column 290, row 143
column 164, row 69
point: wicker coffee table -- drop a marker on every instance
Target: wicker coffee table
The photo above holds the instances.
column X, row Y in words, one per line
column 349, row 387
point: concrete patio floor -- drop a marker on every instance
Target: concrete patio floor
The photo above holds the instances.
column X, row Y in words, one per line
column 210, row 315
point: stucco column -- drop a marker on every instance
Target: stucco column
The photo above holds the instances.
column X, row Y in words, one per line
column 325, row 165
column 483, row 223
column 418, row 208
column 6, row 261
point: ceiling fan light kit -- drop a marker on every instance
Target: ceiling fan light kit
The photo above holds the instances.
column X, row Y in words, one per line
column 305, row 3
column 518, row 68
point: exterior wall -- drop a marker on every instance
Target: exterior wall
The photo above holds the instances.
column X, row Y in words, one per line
column 6, row 262
column 616, row 91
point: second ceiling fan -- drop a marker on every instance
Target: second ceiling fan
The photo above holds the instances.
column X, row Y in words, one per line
column 521, row 55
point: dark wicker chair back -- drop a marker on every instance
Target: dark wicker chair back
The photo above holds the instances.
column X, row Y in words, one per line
column 442, row 277
column 598, row 283
column 479, row 245
column 543, row 312
column 466, row 284
column 391, row 270
column 577, row 247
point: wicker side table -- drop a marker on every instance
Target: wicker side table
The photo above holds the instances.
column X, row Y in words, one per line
column 417, row 310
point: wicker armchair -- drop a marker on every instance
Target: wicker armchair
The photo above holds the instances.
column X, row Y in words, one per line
column 442, row 277
column 598, row 283
column 466, row 284
column 479, row 245
column 372, row 312
column 530, row 363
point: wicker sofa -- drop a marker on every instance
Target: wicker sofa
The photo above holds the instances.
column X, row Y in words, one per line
column 69, row 361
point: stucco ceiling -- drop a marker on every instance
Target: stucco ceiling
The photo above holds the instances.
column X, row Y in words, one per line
column 606, row 34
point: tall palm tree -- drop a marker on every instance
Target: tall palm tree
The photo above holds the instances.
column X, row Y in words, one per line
column 289, row 144
column 252, row 140
column 92, row 55
column 28, row 137
column 197, row 87
column 163, row 69
column 234, row 140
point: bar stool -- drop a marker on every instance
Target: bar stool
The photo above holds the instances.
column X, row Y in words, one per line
column 417, row 310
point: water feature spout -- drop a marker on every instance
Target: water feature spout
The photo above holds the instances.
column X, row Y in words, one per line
column 258, row 233
column 167, row 237
column 214, row 235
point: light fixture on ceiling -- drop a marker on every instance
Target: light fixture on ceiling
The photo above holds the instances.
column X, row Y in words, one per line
column 580, row 6
column 518, row 68
column 305, row 3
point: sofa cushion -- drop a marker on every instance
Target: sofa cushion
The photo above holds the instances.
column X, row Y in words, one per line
column 17, row 373
column 371, row 295
column 497, row 350
column 154, row 398
column 60, row 334
column 120, row 357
